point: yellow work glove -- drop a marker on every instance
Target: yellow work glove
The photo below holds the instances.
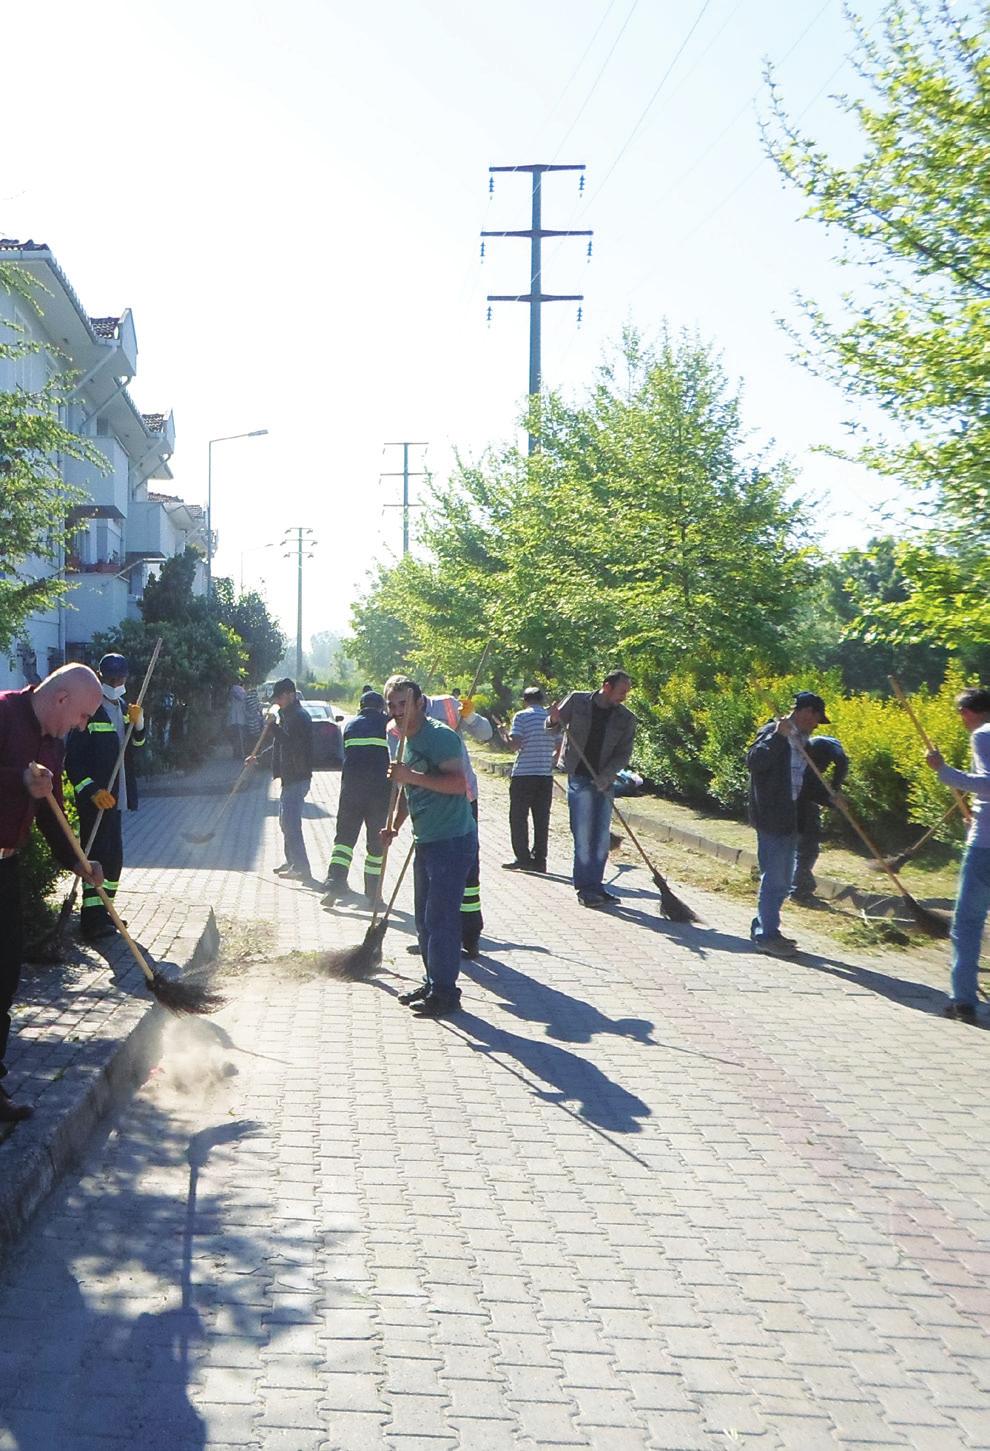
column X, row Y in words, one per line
column 135, row 716
column 103, row 800
column 467, row 708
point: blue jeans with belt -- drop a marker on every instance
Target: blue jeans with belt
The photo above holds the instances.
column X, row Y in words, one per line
column 440, row 871
column 968, row 920
column 290, row 807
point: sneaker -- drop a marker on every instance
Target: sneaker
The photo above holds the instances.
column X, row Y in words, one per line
column 280, row 871
column 438, row 1005
column 330, row 897
column 962, row 1012
column 515, row 866
column 610, row 896
column 416, row 996
column 413, row 949
column 776, row 946
column 593, row 899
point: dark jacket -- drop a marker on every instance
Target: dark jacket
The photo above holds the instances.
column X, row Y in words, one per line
column 91, row 755
column 366, row 754
column 292, row 750
column 771, row 807
column 617, row 744
column 826, row 752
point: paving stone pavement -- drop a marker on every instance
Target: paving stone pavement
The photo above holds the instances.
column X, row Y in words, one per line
column 648, row 1190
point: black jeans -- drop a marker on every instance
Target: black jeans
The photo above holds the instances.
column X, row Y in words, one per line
column 809, row 845
column 11, row 946
column 530, row 796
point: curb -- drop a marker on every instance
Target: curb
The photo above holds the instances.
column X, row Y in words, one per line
column 830, row 889
column 61, row 1131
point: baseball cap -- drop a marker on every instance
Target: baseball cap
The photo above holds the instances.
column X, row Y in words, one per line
column 113, row 665
column 371, row 700
column 808, row 700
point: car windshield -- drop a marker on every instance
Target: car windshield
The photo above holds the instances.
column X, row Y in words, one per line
column 316, row 709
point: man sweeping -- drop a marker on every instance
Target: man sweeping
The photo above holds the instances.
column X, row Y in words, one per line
column 435, row 797
column 777, row 764
column 973, row 894
column 33, row 723
column 364, row 793
column 598, row 745
column 460, row 715
column 291, row 734
column 832, row 761
column 90, row 758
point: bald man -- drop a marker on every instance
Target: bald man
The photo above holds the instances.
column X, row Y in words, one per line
column 33, row 725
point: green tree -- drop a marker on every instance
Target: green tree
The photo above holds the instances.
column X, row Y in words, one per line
column 247, row 615
column 34, row 498
column 912, row 212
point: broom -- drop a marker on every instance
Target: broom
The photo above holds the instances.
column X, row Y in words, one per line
column 178, row 997
column 363, row 959
column 355, row 963
column 198, row 838
column 928, row 922
column 671, row 905
column 930, row 746
column 897, row 862
column 65, row 911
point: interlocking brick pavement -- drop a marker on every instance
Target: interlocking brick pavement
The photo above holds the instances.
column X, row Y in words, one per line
column 648, row 1189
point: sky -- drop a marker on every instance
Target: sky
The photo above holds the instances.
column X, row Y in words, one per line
column 289, row 198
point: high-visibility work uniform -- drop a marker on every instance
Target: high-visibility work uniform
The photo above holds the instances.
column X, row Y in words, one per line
column 364, row 796
column 90, row 757
column 447, row 710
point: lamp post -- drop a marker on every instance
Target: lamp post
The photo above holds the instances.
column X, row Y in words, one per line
column 226, row 438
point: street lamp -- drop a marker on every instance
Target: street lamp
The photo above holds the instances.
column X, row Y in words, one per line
column 226, row 438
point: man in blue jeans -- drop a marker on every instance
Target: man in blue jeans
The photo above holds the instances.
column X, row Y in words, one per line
column 291, row 734
column 435, row 797
column 973, row 895
column 777, row 765
column 600, row 734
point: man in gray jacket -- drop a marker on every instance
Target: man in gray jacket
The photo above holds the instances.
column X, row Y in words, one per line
column 599, row 742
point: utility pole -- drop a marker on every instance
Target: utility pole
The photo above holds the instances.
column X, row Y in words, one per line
column 296, row 546
column 405, row 475
column 535, row 296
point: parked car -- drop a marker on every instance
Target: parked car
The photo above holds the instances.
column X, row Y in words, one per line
column 328, row 744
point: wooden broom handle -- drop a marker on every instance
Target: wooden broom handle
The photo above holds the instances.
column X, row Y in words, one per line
column 898, row 690
column 84, row 862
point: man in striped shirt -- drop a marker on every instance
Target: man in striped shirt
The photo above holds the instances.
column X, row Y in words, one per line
column 531, row 786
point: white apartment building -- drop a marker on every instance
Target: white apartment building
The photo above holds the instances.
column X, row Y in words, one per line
column 122, row 532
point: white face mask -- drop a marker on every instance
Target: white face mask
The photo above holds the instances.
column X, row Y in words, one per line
column 115, row 692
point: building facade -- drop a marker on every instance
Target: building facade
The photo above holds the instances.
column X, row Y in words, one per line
column 121, row 531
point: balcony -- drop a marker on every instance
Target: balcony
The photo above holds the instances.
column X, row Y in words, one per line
column 109, row 492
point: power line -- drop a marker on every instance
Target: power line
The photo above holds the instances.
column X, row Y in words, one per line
column 570, row 81
column 594, row 84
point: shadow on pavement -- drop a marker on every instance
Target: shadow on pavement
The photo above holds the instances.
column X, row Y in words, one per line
column 568, row 1019
column 572, row 1079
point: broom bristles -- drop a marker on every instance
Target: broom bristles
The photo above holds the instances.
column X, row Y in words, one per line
column 929, row 922
column 890, row 863
column 361, row 961
column 615, row 840
column 671, row 905
column 192, row 998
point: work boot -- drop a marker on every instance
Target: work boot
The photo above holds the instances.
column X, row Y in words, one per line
column 537, row 867
column 438, row 1005
column 776, row 946
column 962, row 1012
column 416, row 996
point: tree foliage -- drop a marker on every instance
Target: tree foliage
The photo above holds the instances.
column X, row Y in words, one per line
column 639, row 533
column 247, row 615
column 34, row 498
column 914, row 211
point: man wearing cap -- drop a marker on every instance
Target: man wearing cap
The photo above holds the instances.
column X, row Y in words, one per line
column 33, row 723
column 364, row 793
column 777, row 765
column 101, row 797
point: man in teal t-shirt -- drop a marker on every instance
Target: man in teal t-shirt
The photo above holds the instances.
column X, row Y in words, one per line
column 435, row 796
